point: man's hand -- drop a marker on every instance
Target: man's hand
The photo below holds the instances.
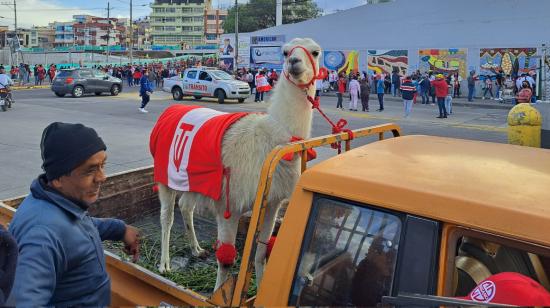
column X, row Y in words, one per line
column 131, row 242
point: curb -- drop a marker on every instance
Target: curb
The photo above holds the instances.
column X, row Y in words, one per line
column 29, row 87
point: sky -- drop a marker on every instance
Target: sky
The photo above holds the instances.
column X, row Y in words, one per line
column 42, row 12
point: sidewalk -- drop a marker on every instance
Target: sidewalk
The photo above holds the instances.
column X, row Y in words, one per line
column 463, row 102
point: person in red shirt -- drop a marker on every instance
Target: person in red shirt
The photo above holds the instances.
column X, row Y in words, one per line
column 441, row 89
column 341, row 91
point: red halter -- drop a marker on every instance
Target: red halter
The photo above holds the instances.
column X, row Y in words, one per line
column 315, row 102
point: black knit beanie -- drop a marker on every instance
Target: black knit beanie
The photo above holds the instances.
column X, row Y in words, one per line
column 65, row 146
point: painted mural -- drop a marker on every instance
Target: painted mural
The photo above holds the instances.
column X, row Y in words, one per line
column 443, row 61
column 387, row 61
column 346, row 61
column 512, row 61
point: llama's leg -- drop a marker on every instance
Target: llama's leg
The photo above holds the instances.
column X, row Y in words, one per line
column 227, row 233
column 264, row 236
column 167, row 198
column 187, row 209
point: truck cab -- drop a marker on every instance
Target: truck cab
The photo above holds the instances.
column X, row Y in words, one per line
column 206, row 82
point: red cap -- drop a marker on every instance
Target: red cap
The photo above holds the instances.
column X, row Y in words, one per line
column 512, row 289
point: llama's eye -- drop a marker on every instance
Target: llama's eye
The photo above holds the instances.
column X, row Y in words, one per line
column 315, row 53
column 285, row 53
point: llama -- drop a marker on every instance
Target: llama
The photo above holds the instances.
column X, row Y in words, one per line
column 244, row 146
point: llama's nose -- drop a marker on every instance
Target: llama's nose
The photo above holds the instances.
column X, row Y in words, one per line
column 294, row 60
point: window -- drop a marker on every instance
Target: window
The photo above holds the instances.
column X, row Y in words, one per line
column 187, row 10
column 170, row 10
column 477, row 256
column 86, row 74
column 348, row 256
column 198, row 19
column 211, row 17
column 187, row 28
column 211, row 37
column 170, row 28
column 222, row 17
column 191, row 74
column 199, row 10
column 197, row 29
column 204, row 76
column 187, row 19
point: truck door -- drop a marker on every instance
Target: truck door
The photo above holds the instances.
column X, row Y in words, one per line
column 189, row 81
column 205, row 84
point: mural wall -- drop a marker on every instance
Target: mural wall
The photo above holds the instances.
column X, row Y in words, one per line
column 346, row 61
column 443, row 61
column 512, row 61
column 386, row 61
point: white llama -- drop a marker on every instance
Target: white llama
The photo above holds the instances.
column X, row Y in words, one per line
column 245, row 146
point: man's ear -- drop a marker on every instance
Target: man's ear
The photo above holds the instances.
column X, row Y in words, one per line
column 57, row 183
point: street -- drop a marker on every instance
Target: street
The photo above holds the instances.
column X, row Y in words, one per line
column 125, row 130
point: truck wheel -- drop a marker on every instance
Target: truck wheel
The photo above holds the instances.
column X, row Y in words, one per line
column 78, row 91
column 197, row 97
column 241, row 100
column 220, row 94
column 177, row 94
column 115, row 89
column 59, row 94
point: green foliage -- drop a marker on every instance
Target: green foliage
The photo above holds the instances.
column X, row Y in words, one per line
column 260, row 14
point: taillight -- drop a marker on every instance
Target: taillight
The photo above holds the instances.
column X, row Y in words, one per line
column 69, row 80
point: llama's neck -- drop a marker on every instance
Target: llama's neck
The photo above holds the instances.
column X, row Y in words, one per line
column 290, row 107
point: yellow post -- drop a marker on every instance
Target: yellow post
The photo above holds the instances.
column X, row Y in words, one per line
column 524, row 126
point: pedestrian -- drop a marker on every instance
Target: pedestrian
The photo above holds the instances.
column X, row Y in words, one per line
column 332, row 79
column 8, row 262
column 365, row 92
column 432, row 77
column 61, row 260
column 472, row 85
column 145, row 91
column 380, row 92
column 262, row 86
column 408, row 92
column 35, row 71
column 395, row 82
column 441, row 89
column 425, row 89
column 499, row 81
column 318, row 87
column 355, row 92
column 525, row 94
column 41, row 74
column 488, row 87
column 341, row 90
column 387, row 84
column 455, row 82
column 449, row 99
column 137, row 76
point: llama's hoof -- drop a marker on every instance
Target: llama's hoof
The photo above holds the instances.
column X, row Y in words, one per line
column 164, row 268
column 199, row 253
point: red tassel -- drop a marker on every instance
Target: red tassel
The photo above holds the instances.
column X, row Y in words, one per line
column 311, row 153
column 155, row 188
column 227, row 214
column 226, row 254
column 270, row 245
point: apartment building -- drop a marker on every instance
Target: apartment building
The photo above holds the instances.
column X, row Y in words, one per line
column 213, row 25
column 178, row 22
column 99, row 31
column 64, row 34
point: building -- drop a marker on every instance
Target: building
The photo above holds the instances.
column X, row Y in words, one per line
column 178, row 22
column 28, row 38
column 142, row 33
column 64, row 34
column 45, row 36
column 213, row 25
column 99, row 31
column 4, row 36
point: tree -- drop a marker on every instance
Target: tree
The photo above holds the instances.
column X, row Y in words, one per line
column 260, row 14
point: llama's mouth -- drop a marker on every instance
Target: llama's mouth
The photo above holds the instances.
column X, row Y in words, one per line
column 296, row 72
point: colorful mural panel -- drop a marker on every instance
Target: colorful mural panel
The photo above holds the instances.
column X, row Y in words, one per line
column 387, row 61
column 345, row 61
column 444, row 61
column 512, row 61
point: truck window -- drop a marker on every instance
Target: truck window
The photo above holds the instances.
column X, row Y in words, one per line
column 477, row 256
column 348, row 256
column 191, row 74
column 204, row 76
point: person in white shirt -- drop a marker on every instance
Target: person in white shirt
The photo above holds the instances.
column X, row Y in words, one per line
column 5, row 80
column 525, row 77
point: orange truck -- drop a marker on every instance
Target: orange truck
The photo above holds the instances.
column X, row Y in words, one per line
column 417, row 219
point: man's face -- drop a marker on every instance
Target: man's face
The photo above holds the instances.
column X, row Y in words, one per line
column 84, row 182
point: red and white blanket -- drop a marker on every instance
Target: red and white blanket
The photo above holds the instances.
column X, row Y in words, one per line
column 186, row 146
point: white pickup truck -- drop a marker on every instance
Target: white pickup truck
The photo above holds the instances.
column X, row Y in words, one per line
column 206, row 82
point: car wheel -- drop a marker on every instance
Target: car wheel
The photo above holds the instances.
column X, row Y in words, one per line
column 97, row 93
column 115, row 89
column 177, row 94
column 241, row 100
column 78, row 91
column 59, row 94
column 197, row 97
column 220, row 94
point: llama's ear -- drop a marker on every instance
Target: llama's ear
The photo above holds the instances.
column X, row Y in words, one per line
column 323, row 73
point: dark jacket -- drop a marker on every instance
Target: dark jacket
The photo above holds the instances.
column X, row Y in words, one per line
column 61, row 260
column 408, row 90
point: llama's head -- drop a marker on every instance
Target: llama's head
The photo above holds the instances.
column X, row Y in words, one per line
column 301, row 61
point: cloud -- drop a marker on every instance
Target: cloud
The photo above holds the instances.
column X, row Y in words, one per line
column 42, row 12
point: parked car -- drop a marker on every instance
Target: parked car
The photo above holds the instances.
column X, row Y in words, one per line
column 202, row 82
column 79, row 81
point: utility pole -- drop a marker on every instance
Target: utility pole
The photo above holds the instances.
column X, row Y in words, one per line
column 279, row 13
column 236, row 68
column 108, row 29
column 131, row 35
column 15, row 12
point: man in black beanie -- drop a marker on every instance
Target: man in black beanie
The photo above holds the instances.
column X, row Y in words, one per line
column 61, row 261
